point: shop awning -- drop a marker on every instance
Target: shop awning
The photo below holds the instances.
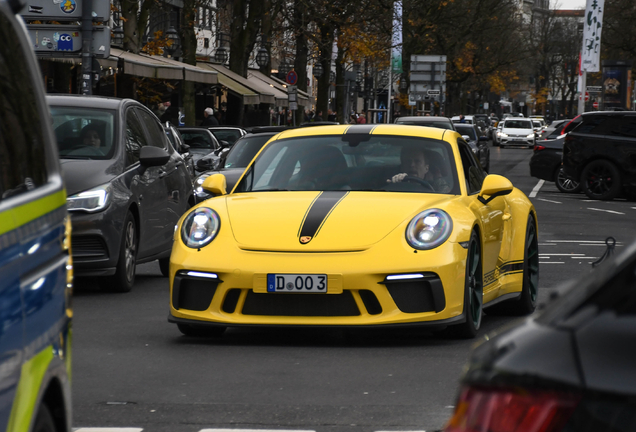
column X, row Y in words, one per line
column 249, row 96
column 158, row 67
column 265, row 93
column 303, row 98
column 280, row 94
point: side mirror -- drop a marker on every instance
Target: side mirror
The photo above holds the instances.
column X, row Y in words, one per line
column 224, row 144
column 494, row 186
column 215, row 184
column 185, row 148
column 153, row 156
column 466, row 137
column 205, row 164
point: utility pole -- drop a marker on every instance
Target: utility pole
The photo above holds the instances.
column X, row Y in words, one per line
column 86, row 86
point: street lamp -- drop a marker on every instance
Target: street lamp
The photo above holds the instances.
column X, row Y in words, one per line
column 332, row 76
column 118, row 36
column 318, row 70
column 173, row 36
column 221, row 55
column 284, row 67
column 262, row 57
column 384, row 81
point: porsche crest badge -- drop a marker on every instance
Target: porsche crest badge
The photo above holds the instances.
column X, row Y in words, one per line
column 305, row 239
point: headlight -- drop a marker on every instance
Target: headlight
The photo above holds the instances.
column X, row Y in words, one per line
column 530, row 136
column 503, row 135
column 199, row 181
column 91, row 201
column 200, row 227
column 429, row 229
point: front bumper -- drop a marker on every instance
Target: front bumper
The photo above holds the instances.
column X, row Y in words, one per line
column 520, row 141
column 358, row 293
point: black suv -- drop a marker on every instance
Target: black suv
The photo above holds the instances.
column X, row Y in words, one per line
column 600, row 152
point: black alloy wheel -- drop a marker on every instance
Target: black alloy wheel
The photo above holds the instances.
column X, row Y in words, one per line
column 473, row 290
column 564, row 183
column 527, row 302
column 601, row 180
column 124, row 278
column 44, row 420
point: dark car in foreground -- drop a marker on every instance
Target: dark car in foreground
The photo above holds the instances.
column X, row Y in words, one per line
column 477, row 142
column 176, row 140
column 126, row 185
column 545, row 164
column 234, row 162
column 600, row 152
column 567, row 368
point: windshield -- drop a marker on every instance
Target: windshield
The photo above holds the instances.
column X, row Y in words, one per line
column 198, row 140
column 229, row 135
column 463, row 130
column 83, row 133
column 518, row 124
column 321, row 163
column 437, row 124
column 244, row 151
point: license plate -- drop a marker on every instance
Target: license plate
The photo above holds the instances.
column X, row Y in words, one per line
column 297, row 283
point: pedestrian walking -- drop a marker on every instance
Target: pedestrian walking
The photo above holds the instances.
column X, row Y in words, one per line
column 208, row 118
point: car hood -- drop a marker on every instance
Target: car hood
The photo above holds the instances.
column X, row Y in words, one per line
column 321, row 221
column 515, row 131
column 199, row 153
column 83, row 174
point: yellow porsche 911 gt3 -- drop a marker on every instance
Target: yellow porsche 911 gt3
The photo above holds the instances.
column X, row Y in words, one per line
column 356, row 225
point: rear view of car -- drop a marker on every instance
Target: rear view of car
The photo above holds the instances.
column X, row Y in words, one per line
column 36, row 270
column 568, row 368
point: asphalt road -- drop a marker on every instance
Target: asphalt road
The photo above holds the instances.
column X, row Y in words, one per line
column 132, row 369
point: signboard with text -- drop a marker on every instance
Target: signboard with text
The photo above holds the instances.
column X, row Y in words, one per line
column 64, row 10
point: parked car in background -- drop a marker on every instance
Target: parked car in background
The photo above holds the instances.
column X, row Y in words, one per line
column 36, row 269
column 599, row 152
column 554, row 130
column 228, row 134
column 486, row 124
column 538, row 126
column 567, row 368
column 202, row 143
column 517, row 132
column 176, row 140
column 127, row 187
column 467, row 119
column 477, row 142
column 546, row 164
column 234, row 162
column 431, row 121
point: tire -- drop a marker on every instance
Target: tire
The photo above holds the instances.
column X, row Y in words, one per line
column 565, row 184
column 473, row 291
column 601, row 180
column 44, row 420
column 200, row 331
column 164, row 266
column 124, row 277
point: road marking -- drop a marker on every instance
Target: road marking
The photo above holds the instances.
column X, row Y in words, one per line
column 536, row 189
column 579, row 241
column 550, row 201
column 607, row 211
column 566, row 254
column 551, row 262
column 585, row 258
column 253, row 430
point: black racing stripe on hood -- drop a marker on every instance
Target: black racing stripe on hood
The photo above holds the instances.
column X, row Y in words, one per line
column 360, row 129
column 318, row 212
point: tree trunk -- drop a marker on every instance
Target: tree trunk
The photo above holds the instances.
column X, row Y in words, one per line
column 324, row 84
column 245, row 25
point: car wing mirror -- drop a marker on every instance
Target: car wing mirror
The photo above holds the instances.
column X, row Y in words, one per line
column 224, row 144
column 466, row 137
column 185, row 148
column 153, row 156
column 215, row 184
column 205, row 164
column 494, row 186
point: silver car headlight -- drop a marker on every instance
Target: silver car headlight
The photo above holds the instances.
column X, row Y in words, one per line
column 200, row 227
column 503, row 135
column 429, row 229
column 91, row 201
column 530, row 136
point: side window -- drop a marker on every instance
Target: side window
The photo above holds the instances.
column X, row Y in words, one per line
column 135, row 138
column 597, row 125
column 627, row 127
column 156, row 136
column 22, row 147
column 472, row 170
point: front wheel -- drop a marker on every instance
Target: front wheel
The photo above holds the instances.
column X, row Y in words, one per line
column 124, row 277
column 44, row 420
column 564, row 183
column 601, row 180
column 473, row 290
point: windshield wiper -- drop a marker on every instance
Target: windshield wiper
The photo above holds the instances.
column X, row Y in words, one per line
column 269, row 190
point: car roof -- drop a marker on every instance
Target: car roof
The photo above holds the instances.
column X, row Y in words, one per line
column 87, row 101
column 368, row 129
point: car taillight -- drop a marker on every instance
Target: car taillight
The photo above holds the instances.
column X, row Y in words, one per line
column 568, row 127
column 539, row 148
column 511, row 410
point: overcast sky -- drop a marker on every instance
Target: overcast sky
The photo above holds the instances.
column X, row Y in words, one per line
column 569, row 4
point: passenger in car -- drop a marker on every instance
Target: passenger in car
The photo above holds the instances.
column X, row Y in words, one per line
column 90, row 136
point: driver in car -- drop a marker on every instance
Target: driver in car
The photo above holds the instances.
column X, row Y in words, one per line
column 416, row 169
